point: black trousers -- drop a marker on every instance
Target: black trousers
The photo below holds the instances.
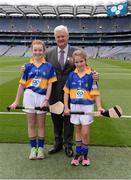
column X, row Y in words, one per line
column 63, row 130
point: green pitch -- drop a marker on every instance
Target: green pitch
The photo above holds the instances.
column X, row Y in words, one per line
column 115, row 85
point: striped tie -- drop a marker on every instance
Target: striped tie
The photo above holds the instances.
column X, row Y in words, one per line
column 61, row 59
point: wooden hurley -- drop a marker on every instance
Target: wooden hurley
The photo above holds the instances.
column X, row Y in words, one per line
column 114, row 112
column 56, row 108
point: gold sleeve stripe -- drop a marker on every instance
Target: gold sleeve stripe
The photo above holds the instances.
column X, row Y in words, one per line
column 66, row 90
column 22, row 81
column 95, row 92
column 54, row 79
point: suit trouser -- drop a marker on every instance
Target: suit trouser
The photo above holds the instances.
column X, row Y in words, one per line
column 62, row 126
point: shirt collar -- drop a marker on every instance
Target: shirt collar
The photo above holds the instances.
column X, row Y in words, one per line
column 87, row 70
column 42, row 61
column 65, row 49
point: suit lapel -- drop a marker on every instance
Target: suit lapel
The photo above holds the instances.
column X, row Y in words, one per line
column 56, row 58
column 56, row 55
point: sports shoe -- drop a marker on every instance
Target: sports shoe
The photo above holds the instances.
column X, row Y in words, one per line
column 69, row 151
column 76, row 161
column 33, row 154
column 85, row 160
column 40, row 153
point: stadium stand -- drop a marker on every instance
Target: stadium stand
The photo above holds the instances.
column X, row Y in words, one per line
column 28, row 52
column 101, row 36
column 16, row 51
column 4, row 49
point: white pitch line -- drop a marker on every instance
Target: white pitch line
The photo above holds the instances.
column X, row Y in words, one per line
column 124, row 116
column 12, row 113
column 21, row 113
column 16, row 113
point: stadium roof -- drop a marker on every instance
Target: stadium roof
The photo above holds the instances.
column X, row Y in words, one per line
column 59, row 2
column 55, row 10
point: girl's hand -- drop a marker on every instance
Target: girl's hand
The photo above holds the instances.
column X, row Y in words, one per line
column 13, row 105
column 101, row 110
column 66, row 111
column 45, row 103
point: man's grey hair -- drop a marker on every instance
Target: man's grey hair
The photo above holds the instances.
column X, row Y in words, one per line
column 60, row 28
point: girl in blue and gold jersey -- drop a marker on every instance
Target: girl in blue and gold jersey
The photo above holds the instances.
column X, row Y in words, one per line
column 36, row 83
column 82, row 92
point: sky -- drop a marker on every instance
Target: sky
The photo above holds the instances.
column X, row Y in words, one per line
column 60, row 2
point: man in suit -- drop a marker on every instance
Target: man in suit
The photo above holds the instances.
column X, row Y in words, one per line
column 60, row 57
column 61, row 123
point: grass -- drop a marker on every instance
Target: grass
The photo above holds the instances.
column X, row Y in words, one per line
column 106, row 162
column 115, row 78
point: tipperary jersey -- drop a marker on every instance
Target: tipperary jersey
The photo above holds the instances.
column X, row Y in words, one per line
column 82, row 90
column 37, row 78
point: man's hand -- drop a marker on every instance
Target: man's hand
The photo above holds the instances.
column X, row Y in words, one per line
column 22, row 68
column 95, row 76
